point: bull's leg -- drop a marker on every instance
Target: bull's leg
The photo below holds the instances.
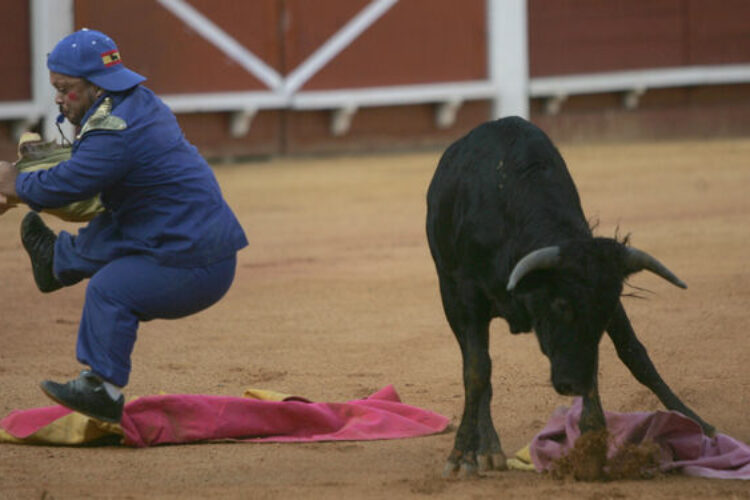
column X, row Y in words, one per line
column 592, row 415
column 477, row 444
column 591, row 467
column 490, row 455
column 634, row 355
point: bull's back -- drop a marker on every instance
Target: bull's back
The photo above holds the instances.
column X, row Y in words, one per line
column 497, row 189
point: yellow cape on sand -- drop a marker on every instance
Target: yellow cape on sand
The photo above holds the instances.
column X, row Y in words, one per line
column 33, row 154
column 521, row 460
column 75, row 429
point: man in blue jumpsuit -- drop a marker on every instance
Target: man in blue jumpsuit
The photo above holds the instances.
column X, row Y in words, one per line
column 164, row 247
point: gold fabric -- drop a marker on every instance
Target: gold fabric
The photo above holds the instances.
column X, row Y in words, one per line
column 34, row 154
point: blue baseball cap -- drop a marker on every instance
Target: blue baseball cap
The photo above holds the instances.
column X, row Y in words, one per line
column 92, row 55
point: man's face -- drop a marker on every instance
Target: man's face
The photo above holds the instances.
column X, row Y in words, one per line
column 74, row 95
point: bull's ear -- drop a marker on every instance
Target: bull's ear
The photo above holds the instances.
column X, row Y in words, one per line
column 562, row 309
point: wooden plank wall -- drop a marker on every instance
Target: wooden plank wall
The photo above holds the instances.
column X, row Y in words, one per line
column 416, row 41
column 587, row 36
column 15, row 61
column 405, row 46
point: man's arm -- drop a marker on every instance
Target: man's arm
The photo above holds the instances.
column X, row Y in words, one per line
column 100, row 160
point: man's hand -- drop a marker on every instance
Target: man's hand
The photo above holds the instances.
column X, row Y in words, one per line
column 8, row 197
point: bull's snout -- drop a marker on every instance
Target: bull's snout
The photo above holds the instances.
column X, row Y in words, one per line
column 575, row 383
column 569, row 387
column 573, row 374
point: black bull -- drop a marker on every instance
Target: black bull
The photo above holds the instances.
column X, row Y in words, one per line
column 509, row 239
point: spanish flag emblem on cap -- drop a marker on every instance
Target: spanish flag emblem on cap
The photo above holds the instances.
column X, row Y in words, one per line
column 110, row 58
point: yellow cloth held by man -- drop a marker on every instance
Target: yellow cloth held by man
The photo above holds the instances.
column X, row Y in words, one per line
column 34, row 154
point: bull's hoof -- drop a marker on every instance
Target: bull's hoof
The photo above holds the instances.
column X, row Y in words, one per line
column 461, row 465
column 492, row 461
column 468, row 471
column 465, row 466
column 449, row 469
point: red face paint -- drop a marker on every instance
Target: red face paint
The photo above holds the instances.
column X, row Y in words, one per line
column 72, row 95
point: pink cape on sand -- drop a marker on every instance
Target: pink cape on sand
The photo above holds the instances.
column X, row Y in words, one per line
column 171, row 419
column 684, row 446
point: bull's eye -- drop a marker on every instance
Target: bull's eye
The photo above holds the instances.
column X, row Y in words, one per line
column 562, row 309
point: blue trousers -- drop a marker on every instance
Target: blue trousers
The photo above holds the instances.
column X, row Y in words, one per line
column 127, row 290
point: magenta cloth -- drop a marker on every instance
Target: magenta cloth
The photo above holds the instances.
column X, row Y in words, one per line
column 171, row 419
column 24, row 423
column 684, row 446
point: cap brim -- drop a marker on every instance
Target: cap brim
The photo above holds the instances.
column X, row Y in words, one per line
column 116, row 81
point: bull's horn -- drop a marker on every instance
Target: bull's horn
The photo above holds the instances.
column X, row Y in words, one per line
column 638, row 260
column 543, row 258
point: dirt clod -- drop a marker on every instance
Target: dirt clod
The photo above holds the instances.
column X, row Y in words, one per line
column 588, row 461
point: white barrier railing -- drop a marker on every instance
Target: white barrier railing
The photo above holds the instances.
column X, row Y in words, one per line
column 635, row 83
column 449, row 96
column 507, row 68
column 52, row 19
column 507, row 86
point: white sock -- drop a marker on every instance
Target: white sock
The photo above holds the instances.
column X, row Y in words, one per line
column 113, row 391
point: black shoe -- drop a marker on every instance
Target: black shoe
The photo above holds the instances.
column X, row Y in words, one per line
column 39, row 242
column 86, row 395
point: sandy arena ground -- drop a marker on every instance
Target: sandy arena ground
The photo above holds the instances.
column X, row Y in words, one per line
column 336, row 297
